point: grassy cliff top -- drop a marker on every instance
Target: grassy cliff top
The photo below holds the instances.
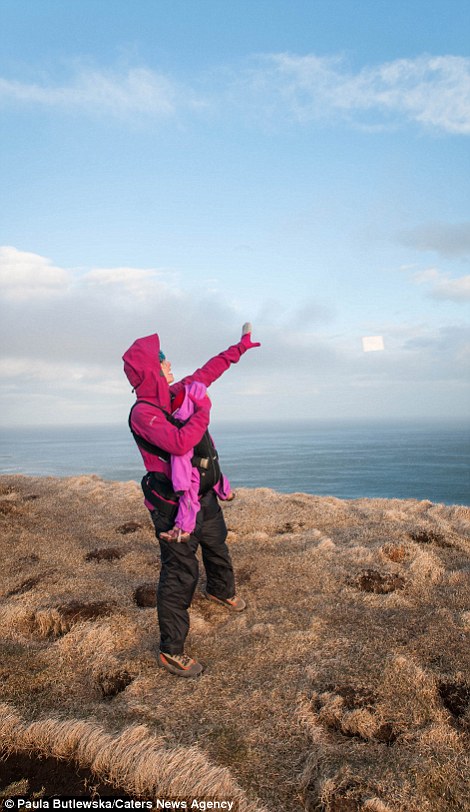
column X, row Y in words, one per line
column 344, row 686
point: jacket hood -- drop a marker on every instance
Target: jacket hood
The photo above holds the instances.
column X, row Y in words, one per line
column 143, row 370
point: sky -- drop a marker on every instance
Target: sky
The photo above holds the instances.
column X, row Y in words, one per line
column 185, row 166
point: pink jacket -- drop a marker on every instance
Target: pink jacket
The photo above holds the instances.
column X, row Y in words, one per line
column 143, row 370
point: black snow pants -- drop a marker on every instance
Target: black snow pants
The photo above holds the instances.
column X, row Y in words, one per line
column 180, row 571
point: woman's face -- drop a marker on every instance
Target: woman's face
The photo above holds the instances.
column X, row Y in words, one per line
column 166, row 369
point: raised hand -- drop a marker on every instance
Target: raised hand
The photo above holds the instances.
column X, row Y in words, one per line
column 246, row 337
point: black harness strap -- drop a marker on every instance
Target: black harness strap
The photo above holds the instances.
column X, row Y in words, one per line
column 146, row 444
column 205, row 456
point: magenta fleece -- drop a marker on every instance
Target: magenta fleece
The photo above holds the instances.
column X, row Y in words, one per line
column 184, row 476
column 143, row 370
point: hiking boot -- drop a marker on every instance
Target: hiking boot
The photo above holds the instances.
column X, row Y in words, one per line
column 180, row 664
column 175, row 534
column 235, row 604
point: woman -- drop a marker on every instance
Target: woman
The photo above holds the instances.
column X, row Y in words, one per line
column 159, row 436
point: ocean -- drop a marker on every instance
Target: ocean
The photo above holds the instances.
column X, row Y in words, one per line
column 347, row 460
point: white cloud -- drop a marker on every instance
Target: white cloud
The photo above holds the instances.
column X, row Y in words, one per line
column 256, row 389
column 428, row 275
column 431, row 90
column 24, row 275
column 458, row 290
column 62, row 352
column 29, row 369
column 137, row 91
column 443, row 286
column 125, row 282
column 64, row 372
column 84, row 316
column 79, row 383
column 434, row 91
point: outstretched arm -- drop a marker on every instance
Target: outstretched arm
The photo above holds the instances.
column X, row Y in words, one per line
column 214, row 368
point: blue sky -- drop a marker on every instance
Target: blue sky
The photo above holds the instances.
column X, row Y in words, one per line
column 181, row 167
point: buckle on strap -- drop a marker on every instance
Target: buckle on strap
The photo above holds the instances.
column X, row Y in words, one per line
column 201, row 462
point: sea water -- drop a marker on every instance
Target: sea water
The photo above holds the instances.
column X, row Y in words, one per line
column 347, row 460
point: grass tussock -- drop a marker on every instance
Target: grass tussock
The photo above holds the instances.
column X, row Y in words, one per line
column 343, row 687
column 134, row 760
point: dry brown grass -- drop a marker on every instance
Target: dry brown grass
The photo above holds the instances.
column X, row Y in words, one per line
column 344, row 686
column 137, row 762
